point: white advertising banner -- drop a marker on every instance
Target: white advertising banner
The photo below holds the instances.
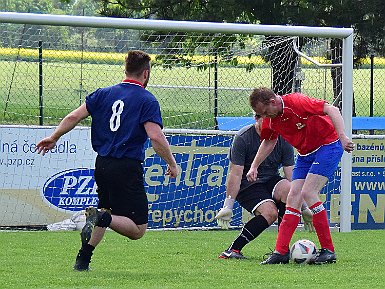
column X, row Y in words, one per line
column 28, row 178
column 41, row 190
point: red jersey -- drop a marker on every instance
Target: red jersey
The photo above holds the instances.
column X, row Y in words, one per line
column 302, row 123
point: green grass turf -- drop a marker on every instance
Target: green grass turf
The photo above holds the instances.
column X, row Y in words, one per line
column 184, row 259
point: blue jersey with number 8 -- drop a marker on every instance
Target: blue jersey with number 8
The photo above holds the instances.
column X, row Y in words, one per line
column 118, row 115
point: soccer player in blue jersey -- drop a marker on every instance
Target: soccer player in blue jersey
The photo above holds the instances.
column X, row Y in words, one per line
column 124, row 116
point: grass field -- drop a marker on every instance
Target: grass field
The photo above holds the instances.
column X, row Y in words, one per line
column 184, row 259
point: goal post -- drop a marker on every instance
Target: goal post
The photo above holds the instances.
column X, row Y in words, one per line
column 201, row 71
column 347, row 112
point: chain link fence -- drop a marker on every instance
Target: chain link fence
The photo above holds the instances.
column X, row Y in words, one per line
column 369, row 82
column 47, row 71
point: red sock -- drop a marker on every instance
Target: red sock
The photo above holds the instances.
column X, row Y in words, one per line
column 321, row 226
column 286, row 230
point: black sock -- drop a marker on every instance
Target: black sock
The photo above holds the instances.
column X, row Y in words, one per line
column 249, row 232
column 87, row 249
column 281, row 211
column 105, row 220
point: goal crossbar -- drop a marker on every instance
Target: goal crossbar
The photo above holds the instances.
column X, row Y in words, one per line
column 172, row 25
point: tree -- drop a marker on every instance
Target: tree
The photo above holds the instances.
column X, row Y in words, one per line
column 214, row 11
column 41, row 6
column 363, row 15
column 209, row 10
column 367, row 17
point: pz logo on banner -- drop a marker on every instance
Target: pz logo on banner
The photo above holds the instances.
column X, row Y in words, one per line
column 71, row 190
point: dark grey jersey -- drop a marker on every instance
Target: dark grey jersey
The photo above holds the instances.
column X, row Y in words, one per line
column 244, row 148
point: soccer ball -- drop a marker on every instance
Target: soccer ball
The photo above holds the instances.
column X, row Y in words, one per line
column 302, row 251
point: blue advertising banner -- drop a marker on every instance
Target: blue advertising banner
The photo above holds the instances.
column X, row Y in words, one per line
column 367, row 197
column 200, row 191
column 46, row 189
column 196, row 195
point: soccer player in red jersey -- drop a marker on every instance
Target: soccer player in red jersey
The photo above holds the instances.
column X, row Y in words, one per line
column 316, row 129
column 264, row 199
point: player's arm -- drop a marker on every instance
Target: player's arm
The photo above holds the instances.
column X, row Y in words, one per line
column 161, row 147
column 237, row 155
column 234, row 181
column 233, row 185
column 264, row 150
column 287, row 160
column 338, row 122
column 66, row 125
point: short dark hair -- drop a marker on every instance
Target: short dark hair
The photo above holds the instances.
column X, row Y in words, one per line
column 262, row 95
column 136, row 62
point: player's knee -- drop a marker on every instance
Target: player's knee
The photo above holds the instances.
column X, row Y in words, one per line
column 139, row 233
column 270, row 215
column 135, row 236
column 307, row 195
column 281, row 190
column 269, row 211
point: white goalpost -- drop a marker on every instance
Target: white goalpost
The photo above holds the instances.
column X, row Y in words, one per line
column 202, row 72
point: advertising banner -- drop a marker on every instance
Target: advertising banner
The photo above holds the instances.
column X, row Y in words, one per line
column 39, row 190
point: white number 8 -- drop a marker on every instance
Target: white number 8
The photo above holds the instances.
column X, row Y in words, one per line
column 117, row 109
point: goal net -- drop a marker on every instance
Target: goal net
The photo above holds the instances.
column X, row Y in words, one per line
column 202, row 75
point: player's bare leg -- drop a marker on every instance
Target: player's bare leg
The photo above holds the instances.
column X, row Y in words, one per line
column 92, row 233
column 280, row 193
column 265, row 214
column 289, row 224
column 295, row 199
column 97, row 236
column 121, row 225
column 311, row 188
column 96, row 225
column 313, row 185
column 126, row 227
column 281, row 190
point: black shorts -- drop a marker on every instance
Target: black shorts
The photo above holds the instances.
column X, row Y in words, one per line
column 120, row 187
column 251, row 197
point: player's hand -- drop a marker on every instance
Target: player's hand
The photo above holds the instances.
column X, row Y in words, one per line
column 225, row 214
column 45, row 145
column 224, row 217
column 172, row 171
column 307, row 218
column 252, row 174
column 347, row 144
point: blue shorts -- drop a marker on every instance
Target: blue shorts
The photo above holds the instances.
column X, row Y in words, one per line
column 323, row 162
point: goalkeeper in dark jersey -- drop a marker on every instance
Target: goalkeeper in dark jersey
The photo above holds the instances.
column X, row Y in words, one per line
column 266, row 197
column 124, row 116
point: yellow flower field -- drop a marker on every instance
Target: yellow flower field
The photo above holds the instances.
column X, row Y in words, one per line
column 112, row 57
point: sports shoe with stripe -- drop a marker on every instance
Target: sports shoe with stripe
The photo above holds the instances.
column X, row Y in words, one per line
column 324, row 256
column 276, row 258
column 231, row 254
